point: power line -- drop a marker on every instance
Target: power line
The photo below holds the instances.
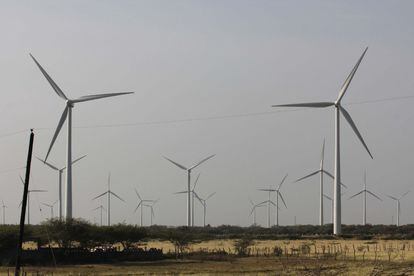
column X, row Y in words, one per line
column 207, row 118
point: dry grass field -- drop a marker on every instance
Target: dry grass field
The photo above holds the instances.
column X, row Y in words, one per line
column 304, row 257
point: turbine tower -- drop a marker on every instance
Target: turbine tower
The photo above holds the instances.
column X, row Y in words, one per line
column 141, row 203
column 100, row 207
column 109, row 193
column 204, row 203
column 338, row 109
column 60, row 173
column 4, row 211
column 67, row 114
column 398, row 205
column 193, row 194
column 51, row 207
column 364, row 192
column 189, row 182
column 321, row 172
column 253, row 211
column 28, row 199
column 278, row 194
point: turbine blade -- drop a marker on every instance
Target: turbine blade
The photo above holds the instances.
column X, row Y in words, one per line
column 393, row 198
column 211, row 195
column 349, row 78
column 404, row 194
column 353, row 126
column 76, row 160
column 21, row 179
column 309, row 175
column 59, row 127
column 199, row 198
column 267, row 190
column 38, row 191
column 283, row 180
column 114, row 194
column 281, row 197
column 195, row 183
column 175, row 163
column 99, row 96
column 48, row 164
column 313, row 104
column 356, row 194
column 331, row 176
column 327, row 197
column 136, row 192
column 139, row 204
column 271, row 202
column 152, row 211
column 201, row 162
column 323, row 151
column 251, row 202
column 100, row 195
column 50, row 80
column 96, row 208
column 374, row 195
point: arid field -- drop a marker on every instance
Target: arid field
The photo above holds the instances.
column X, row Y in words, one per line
column 297, row 257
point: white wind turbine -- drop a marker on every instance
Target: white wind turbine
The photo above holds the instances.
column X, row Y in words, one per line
column 51, row 207
column 189, row 223
column 204, row 203
column 338, row 109
column 101, row 208
column 141, row 203
column 109, row 193
column 193, row 194
column 151, row 207
column 67, row 114
column 28, row 199
column 253, row 211
column 278, row 194
column 364, row 192
column 60, row 173
column 3, row 206
column 398, row 205
column 321, row 172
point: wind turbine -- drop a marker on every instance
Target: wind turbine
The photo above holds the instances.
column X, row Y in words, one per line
column 141, row 203
column 321, row 172
column 364, row 192
column 67, row 114
column 28, row 199
column 253, row 211
column 193, row 194
column 109, row 193
column 204, row 203
column 398, row 205
column 189, row 182
column 60, row 172
column 278, row 194
column 4, row 211
column 151, row 206
column 338, row 109
column 51, row 207
column 100, row 207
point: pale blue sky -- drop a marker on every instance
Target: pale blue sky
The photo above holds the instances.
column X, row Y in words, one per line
column 191, row 59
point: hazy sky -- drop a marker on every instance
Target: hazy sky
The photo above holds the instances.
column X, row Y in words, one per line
column 198, row 59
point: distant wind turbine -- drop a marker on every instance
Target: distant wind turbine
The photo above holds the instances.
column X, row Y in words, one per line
column 109, row 193
column 398, row 205
column 151, row 207
column 204, row 203
column 60, row 172
column 67, row 114
column 253, row 210
column 4, row 211
column 278, row 194
column 28, row 199
column 51, row 207
column 141, row 203
column 321, row 172
column 189, row 169
column 338, row 109
column 193, row 194
column 101, row 208
column 364, row 192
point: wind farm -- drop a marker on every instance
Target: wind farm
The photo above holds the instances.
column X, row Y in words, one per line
column 230, row 138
